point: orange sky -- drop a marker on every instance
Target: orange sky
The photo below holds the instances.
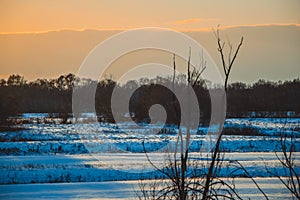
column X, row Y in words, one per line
column 41, row 15
column 271, row 29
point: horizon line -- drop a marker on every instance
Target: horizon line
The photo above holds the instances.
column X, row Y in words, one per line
column 6, row 76
column 206, row 29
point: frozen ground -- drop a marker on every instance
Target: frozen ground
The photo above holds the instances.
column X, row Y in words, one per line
column 255, row 135
column 59, row 156
column 124, row 190
column 118, row 167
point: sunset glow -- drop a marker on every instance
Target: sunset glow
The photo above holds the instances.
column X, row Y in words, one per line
column 42, row 16
column 47, row 38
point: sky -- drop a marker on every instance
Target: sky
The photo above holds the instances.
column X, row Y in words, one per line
column 48, row 38
column 41, row 15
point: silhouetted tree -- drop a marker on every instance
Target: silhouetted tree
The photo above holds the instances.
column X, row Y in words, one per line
column 265, row 98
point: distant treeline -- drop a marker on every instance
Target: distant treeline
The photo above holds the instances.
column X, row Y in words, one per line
column 55, row 96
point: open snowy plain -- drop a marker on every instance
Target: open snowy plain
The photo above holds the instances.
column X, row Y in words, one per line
column 104, row 161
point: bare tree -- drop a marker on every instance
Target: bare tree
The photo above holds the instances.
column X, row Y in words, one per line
column 186, row 178
column 239, row 166
column 286, row 158
column 227, row 66
column 176, row 165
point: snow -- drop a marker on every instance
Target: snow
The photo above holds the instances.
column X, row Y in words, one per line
column 268, row 126
column 100, row 137
column 118, row 166
column 125, row 190
column 104, row 161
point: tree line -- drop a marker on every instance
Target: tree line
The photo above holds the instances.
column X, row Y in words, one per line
column 18, row 95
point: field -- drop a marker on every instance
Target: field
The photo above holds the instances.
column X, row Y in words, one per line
column 98, row 161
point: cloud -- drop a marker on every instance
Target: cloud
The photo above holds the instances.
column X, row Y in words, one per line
column 223, row 27
column 63, row 30
column 193, row 20
column 180, row 22
column 261, row 25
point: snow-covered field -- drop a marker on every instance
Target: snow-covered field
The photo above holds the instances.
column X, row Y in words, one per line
column 83, row 156
column 125, row 190
column 116, row 167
